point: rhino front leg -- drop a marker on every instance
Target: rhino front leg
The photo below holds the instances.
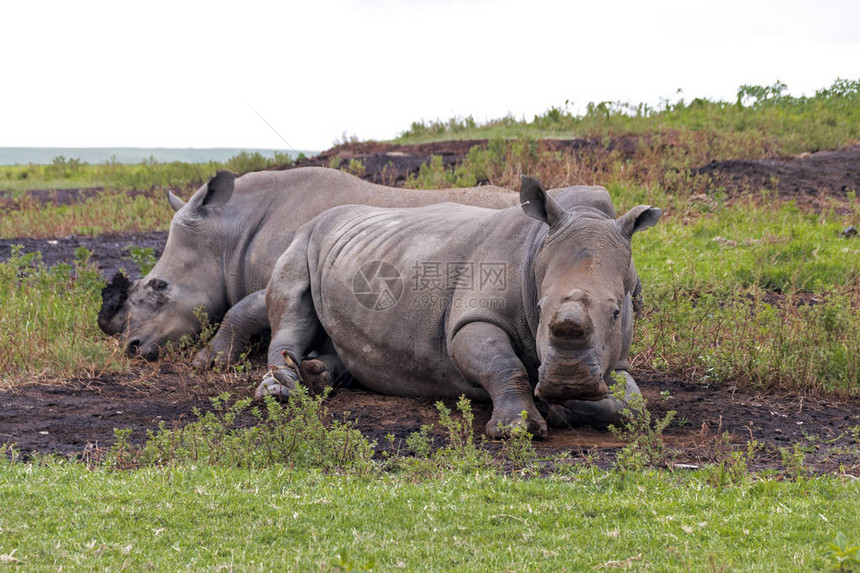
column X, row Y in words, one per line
column 485, row 357
column 599, row 413
column 244, row 320
column 296, row 330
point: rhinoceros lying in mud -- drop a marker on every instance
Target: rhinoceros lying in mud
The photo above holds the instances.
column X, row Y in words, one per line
column 449, row 299
column 223, row 244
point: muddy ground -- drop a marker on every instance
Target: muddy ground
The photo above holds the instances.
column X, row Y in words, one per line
column 68, row 415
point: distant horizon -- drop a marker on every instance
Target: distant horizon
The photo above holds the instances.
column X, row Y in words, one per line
column 38, row 155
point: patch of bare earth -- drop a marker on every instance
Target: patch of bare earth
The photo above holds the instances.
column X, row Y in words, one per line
column 809, row 178
column 68, row 415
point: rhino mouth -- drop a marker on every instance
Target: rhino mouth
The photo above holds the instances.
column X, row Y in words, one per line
column 114, row 295
column 571, row 375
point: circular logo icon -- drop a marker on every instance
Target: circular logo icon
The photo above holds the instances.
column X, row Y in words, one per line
column 377, row 285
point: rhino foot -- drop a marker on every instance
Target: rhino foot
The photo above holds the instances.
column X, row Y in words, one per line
column 203, row 360
column 315, row 375
column 208, row 358
column 599, row 413
column 501, row 424
column 279, row 382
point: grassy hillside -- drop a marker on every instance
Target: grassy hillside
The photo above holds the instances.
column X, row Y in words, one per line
column 764, row 120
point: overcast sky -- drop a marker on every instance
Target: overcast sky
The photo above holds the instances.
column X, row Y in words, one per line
column 191, row 74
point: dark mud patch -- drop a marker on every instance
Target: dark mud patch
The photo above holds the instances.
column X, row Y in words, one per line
column 69, row 416
column 810, row 176
column 110, row 251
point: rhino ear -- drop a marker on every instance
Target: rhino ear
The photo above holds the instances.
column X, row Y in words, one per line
column 638, row 218
column 175, row 202
column 538, row 205
column 216, row 192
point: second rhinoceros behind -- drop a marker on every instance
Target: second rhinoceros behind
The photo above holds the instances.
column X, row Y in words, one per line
column 449, row 300
column 221, row 249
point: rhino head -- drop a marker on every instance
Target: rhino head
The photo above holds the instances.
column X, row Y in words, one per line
column 584, row 280
column 160, row 307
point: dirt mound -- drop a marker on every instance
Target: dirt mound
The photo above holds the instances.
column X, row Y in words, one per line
column 392, row 164
column 815, row 175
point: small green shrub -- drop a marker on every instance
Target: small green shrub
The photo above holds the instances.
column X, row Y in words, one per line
column 843, row 556
column 460, row 450
column 645, row 446
column 142, row 257
column 295, row 433
column 518, row 449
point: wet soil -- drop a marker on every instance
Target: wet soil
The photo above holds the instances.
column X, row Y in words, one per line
column 70, row 416
column 810, row 175
column 67, row 416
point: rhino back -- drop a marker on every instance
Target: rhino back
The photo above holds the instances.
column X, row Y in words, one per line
column 268, row 207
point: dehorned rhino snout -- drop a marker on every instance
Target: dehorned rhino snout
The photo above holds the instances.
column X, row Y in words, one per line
column 571, row 321
column 114, row 295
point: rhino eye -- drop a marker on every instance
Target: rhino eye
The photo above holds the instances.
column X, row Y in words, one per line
column 157, row 284
column 615, row 313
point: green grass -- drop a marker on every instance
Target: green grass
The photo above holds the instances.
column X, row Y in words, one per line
column 108, row 211
column 62, row 515
column 48, row 324
column 766, row 244
column 112, row 209
column 756, row 293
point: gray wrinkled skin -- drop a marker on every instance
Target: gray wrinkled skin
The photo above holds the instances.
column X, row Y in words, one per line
column 556, row 329
column 223, row 244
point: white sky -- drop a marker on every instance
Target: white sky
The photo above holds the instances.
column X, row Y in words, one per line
column 168, row 73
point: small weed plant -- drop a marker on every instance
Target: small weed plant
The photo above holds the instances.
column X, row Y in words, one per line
column 143, row 258
column 644, row 436
column 730, row 465
column 460, row 451
column 843, row 556
column 517, row 449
